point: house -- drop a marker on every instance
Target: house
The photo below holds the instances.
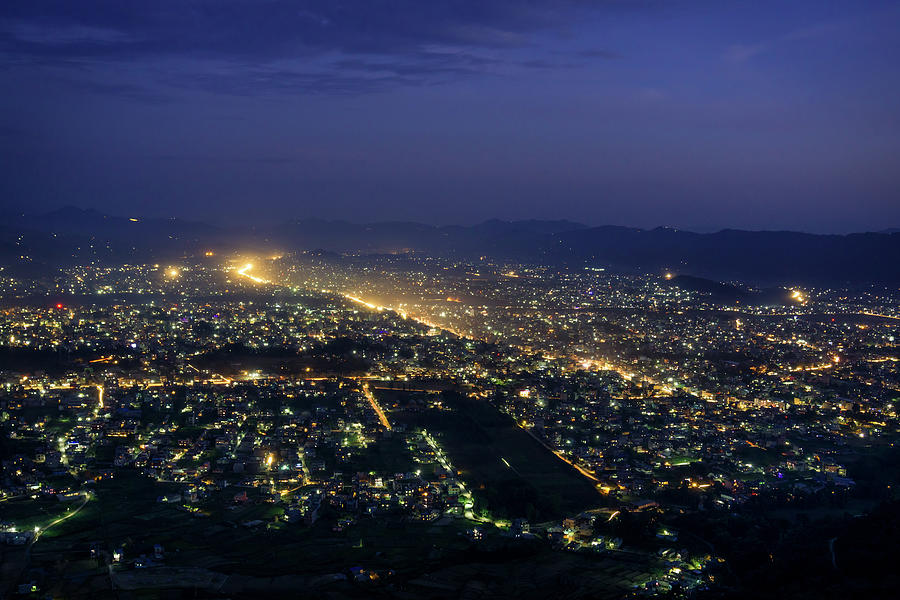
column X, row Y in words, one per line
column 519, row 527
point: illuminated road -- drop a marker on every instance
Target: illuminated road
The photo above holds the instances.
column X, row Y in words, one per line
column 464, row 492
column 363, row 302
column 244, row 272
column 561, row 457
column 402, row 313
column 222, row 380
column 871, row 314
column 87, row 497
column 587, row 362
column 367, row 392
column 584, row 361
column 40, row 531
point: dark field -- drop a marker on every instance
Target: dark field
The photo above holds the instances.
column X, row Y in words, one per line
column 216, row 556
column 535, row 484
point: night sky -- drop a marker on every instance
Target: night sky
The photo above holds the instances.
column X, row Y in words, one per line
column 750, row 114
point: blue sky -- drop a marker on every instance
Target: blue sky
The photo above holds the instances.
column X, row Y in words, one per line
column 758, row 115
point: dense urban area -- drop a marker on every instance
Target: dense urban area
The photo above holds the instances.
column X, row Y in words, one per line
column 404, row 426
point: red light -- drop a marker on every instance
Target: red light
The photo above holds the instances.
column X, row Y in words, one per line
column 59, row 305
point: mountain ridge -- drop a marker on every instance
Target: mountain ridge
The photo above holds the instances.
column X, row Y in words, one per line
column 757, row 257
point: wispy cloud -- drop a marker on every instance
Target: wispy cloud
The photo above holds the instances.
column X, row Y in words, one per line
column 599, row 53
column 63, row 35
column 130, row 91
column 744, row 52
column 373, row 44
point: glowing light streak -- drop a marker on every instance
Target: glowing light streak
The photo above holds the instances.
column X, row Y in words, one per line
column 243, row 272
column 367, row 392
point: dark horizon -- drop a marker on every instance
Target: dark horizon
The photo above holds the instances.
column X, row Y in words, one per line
column 246, row 224
column 754, row 257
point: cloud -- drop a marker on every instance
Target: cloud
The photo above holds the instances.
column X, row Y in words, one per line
column 419, row 64
column 545, row 64
column 351, row 46
column 597, row 53
column 252, row 81
column 744, row 52
column 268, row 29
column 130, row 91
column 64, row 35
column 264, row 160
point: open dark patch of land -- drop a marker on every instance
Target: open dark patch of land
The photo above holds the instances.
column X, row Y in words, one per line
column 511, row 473
column 234, row 360
column 218, row 555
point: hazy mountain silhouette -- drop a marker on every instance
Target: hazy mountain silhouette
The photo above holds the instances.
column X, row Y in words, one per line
column 71, row 235
column 727, row 293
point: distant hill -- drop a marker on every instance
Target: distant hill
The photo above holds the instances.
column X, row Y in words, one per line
column 721, row 292
column 762, row 258
column 40, row 244
column 89, row 222
column 726, row 293
column 492, row 237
